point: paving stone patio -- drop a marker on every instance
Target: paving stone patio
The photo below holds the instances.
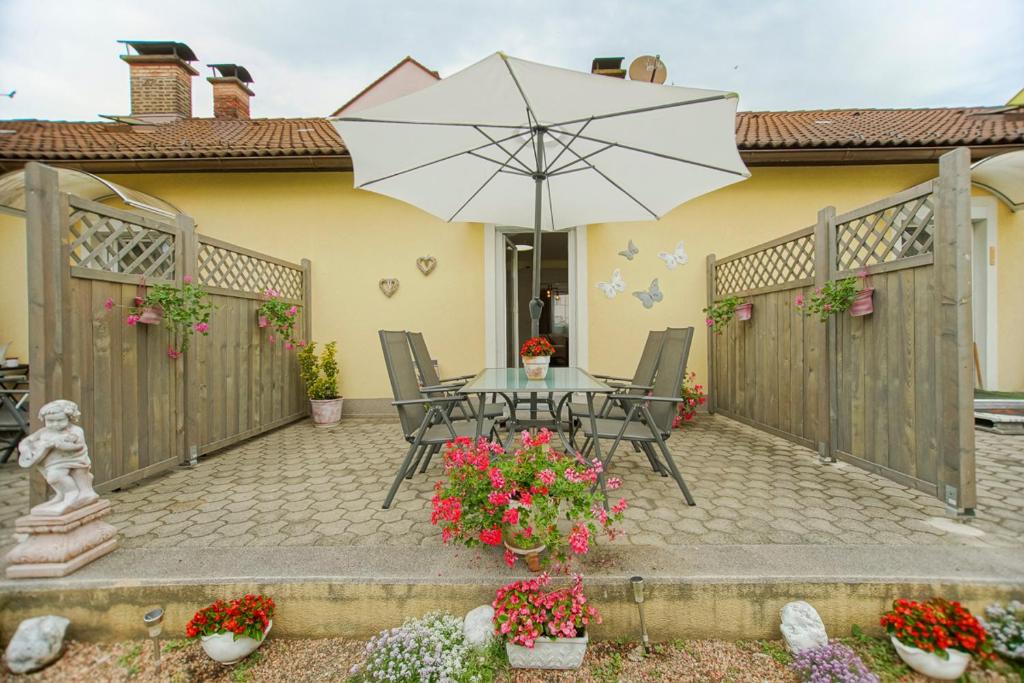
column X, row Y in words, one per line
column 307, row 486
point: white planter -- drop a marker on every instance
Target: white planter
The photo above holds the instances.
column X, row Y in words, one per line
column 560, row 653
column 536, row 366
column 326, row 412
column 223, row 648
column 931, row 664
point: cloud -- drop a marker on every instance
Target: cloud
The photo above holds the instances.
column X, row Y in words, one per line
column 309, row 57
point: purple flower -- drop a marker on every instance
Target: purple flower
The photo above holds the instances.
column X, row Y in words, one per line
column 832, row 663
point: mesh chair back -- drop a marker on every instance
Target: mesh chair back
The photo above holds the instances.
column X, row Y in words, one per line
column 669, row 381
column 423, row 361
column 645, row 369
column 402, row 373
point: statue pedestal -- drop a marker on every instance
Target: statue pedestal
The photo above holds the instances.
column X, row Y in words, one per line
column 59, row 545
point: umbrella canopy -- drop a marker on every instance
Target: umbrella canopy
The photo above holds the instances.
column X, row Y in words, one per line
column 513, row 142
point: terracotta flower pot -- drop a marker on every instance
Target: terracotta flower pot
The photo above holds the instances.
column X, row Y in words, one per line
column 531, row 556
column 744, row 311
column 863, row 302
column 536, row 366
column 547, row 653
column 327, row 412
column 224, row 648
column 152, row 315
column 931, row 664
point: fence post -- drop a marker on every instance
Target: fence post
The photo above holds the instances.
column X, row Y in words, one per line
column 48, row 272
column 825, row 337
column 307, row 309
column 712, row 379
column 188, row 376
column 953, row 333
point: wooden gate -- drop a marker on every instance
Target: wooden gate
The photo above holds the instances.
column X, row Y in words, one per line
column 142, row 411
column 891, row 392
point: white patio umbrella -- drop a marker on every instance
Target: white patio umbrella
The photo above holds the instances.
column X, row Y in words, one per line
column 512, row 142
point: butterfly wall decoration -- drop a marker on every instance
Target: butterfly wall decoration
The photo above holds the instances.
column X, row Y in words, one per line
column 630, row 251
column 675, row 258
column 612, row 288
column 651, row 296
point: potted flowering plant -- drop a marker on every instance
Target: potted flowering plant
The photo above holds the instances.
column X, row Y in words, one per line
column 720, row 314
column 536, row 353
column 279, row 316
column 544, row 629
column 692, row 396
column 493, row 498
column 838, row 296
column 185, row 310
column 231, row 631
column 320, row 376
column 936, row 637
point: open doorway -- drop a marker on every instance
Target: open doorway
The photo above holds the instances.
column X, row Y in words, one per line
column 556, row 291
column 984, row 293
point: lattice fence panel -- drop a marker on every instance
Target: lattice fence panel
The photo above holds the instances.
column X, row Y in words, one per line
column 780, row 264
column 110, row 245
column 895, row 233
column 220, row 267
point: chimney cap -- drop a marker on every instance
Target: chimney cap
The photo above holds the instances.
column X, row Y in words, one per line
column 162, row 48
column 233, row 71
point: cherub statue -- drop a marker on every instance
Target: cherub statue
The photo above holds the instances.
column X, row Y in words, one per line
column 60, row 453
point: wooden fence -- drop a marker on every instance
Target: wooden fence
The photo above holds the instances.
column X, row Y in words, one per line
column 142, row 411
column 891, row 392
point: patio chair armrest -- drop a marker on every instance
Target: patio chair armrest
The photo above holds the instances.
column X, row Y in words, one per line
column 658, row 399
column 461, row 378
column 434, row 399
column 628, row 387
column 13, row 392
column 13, row 378
column 612, row 377
column 438, row 388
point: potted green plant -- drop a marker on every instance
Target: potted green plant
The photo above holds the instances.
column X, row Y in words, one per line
column 838, row 296
column 231, row 631
column 184, row 310
column 936, row 637
column 320, row 376
column 544, row 629
column 279, row 316
column 536, row 353
column 721, row 313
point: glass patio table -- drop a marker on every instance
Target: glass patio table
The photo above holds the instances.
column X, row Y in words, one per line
column 510, row 382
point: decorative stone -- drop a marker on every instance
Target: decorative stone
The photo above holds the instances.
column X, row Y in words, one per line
column 802, row 627
column 37, row 642
column 66, row 532
column 478, row 626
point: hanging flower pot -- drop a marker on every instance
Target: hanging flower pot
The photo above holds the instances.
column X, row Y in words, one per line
column 863, row 302
column 152, row 315
column 931, row 664
column 744, row 311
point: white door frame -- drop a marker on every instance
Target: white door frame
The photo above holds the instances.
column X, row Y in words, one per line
column 494, row 297
column 985, row 208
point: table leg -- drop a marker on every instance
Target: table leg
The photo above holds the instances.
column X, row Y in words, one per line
column 597, row 446
column 480, row 416
column 570, row 447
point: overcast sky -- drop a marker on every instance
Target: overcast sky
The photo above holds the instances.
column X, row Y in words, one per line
column 308, row 57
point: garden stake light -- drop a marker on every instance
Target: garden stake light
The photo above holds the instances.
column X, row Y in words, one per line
column 638, row 597
column 154, row 624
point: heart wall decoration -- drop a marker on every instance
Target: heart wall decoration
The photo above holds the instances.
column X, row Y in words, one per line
column 388, row 285
column 426, row 264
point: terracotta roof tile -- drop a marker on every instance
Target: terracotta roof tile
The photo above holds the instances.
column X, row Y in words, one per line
column 213, row 138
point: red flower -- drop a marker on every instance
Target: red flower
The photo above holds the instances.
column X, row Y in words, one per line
column 491, row 536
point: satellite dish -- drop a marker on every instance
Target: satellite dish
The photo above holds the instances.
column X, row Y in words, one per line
column 649, row 69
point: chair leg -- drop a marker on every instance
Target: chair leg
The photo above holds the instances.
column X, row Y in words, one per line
column 413, row 447
column 430, row 454
column 669, row 461
column 652, row 458
column 416, row 461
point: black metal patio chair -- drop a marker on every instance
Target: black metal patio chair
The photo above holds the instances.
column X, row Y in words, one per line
column 432, row 384
column 641, row 382
column 648, row 420
column 426, row 419
column 14, row 417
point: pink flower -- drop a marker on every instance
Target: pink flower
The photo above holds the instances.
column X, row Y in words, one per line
column 301, row 343
column 173, row 352
column 613, row 483
column 187, row 279
column 201, row 328
column 579, row 539
column 710, row 322
column 108, row 304
column 263, row 322
column 827, row 307
column 620, row 506
column 132, row 320
column 511, row 516
column 491, row 536
column 292, row 311
column 498, row 498
column 289, row 346
column 799, row 301
column 138, row 301
column 497, row 478
column 863, row 272
column 272, row 340
column 510, row 559
column 547, row 477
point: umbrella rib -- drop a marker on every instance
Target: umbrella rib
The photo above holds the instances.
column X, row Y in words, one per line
column 511, row 156
column 530, row 113
column 612, row 182
column 572, row 140
column 561, row 169
column 500, row 163
column 357, row 119
column 642, row 110
column 663, row 156
column 437, row 161
column 486, row 183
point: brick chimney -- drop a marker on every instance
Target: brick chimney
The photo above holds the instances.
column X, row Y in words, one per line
column 608, row 66
column 231, row 91
column 161, row 79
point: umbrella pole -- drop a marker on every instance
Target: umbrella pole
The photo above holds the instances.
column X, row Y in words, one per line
column 536, row 305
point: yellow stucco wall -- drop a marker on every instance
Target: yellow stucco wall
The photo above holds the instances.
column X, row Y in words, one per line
column 354, row 238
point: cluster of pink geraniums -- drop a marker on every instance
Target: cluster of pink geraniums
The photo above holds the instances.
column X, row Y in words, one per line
column 279, row 316
column 693, row 396
column 492, row 497
column 185, row 310
column 524, row 612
